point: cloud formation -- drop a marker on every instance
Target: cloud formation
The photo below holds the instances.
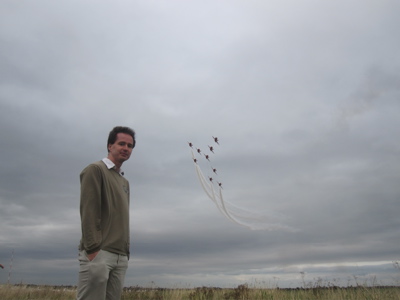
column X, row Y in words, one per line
column 303, row 96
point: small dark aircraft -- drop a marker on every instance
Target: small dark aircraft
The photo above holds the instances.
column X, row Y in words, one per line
column 211, row 148
column 214, row 170
column 216, row 140
column 207, row 157
column 190, row 144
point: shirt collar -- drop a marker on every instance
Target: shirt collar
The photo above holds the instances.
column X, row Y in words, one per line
column 111, row 165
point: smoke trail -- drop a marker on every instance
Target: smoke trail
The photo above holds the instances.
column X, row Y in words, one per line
column 376, row 88
column 237, row 214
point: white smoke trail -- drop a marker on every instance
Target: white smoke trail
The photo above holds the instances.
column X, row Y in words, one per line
column 236, row 214
column 376, row 89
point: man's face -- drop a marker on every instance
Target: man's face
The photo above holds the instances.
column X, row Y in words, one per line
column 121, row 150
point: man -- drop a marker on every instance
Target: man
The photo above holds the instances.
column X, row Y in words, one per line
column 104, row 209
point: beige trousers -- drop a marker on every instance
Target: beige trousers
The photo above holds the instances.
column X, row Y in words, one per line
column 103, row 277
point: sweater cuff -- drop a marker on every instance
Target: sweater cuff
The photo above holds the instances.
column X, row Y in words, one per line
column 91, row 251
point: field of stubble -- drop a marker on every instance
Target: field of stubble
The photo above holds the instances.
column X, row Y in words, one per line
column 33, row 292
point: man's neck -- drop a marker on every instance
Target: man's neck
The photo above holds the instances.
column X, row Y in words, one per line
column 117, row 164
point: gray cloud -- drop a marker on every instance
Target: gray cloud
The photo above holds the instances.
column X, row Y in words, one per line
column 304, row 99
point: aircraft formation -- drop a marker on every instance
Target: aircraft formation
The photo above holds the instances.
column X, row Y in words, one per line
column 207, row 156
column 213, row 188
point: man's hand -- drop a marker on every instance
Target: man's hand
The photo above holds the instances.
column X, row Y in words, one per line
column 92, row 255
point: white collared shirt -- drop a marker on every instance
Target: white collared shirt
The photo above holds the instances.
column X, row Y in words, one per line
column 111, row 165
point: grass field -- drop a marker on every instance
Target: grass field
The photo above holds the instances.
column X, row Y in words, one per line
column 22, row 292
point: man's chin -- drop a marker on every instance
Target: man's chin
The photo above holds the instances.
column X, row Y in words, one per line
column 123, row 158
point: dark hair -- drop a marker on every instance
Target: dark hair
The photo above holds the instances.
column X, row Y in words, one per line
column 112, row 137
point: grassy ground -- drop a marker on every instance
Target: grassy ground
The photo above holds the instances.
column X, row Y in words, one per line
column 25, row 292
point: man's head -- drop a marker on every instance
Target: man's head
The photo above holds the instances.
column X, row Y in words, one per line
column 112, row 137
column 120, row 143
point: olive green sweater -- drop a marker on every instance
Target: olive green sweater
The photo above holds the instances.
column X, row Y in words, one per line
column 104, row 210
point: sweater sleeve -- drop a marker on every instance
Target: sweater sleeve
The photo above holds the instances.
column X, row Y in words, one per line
column 90, row 208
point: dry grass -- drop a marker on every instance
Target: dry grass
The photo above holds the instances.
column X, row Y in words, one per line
column 31, row 292
column 25, row 292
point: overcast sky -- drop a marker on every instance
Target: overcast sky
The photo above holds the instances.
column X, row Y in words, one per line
column 304, row 97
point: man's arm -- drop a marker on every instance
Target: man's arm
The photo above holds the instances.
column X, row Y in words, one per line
column 90, row 209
